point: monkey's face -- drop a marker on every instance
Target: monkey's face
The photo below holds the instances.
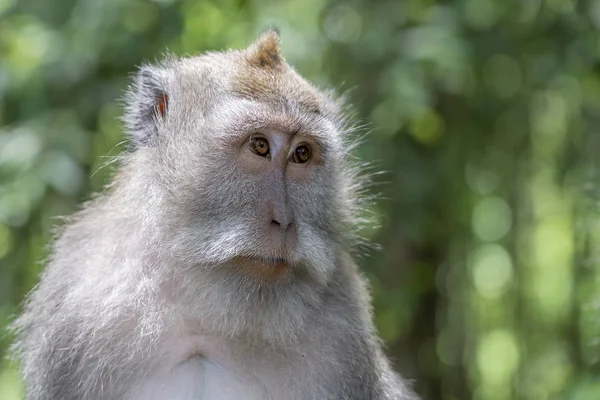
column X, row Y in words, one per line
column 257, row 194
column 250, row 158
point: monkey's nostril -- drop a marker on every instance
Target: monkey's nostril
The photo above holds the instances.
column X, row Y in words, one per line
column 275, row 223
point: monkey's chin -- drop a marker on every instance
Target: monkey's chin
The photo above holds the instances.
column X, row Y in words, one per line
column 264, row 269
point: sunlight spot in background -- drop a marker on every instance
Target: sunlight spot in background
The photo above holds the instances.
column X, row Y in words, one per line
column 62, row 172
column 491, row 270
column 27, row 46
column 481, row 180
column 570, row 90
column 386, row 118
column 551, row 240
column 545, row 375
column 404, row 85
column 498, row 357
column 197, row 33
column 6, row 5
column 10, row 387
column 552, row 284
column 442, row 49
column 427, row 126
column 492, row 219
column 19, row 148
column 343, row 24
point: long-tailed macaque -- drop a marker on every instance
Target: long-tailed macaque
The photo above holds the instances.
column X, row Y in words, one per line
column 216, row 264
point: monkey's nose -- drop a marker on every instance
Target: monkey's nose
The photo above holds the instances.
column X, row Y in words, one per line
column 276, row 224
column 281, row 215
column 280, row 223
column 283, row 230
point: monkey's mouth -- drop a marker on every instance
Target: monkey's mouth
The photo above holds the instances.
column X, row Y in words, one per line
column 264, row 268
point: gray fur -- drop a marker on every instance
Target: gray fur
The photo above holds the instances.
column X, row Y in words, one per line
column 140, row 287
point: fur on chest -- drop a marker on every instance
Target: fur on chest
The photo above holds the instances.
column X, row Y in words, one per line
column 254, row 372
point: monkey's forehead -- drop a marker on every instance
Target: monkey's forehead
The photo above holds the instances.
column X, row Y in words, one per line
column 233, row 72
column 276, row 85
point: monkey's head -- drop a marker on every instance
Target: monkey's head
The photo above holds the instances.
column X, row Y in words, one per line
column 248, row 160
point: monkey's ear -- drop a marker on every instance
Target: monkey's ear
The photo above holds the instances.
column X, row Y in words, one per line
column 265, row 51
column 146, row 105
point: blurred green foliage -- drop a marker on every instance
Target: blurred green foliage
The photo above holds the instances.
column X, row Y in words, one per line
column 483, row 113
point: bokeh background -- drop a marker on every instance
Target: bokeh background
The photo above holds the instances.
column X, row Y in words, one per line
column 483, row 114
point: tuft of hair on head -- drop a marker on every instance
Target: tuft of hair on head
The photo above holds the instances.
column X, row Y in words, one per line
column 265, row 52
column 146, row 104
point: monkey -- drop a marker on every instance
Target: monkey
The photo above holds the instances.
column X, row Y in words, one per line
column 217, row 262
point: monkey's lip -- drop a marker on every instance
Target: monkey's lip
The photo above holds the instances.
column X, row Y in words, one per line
column 266, row 268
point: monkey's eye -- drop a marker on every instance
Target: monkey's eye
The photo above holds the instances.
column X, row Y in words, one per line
column 259, row 146
column 301, row 154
